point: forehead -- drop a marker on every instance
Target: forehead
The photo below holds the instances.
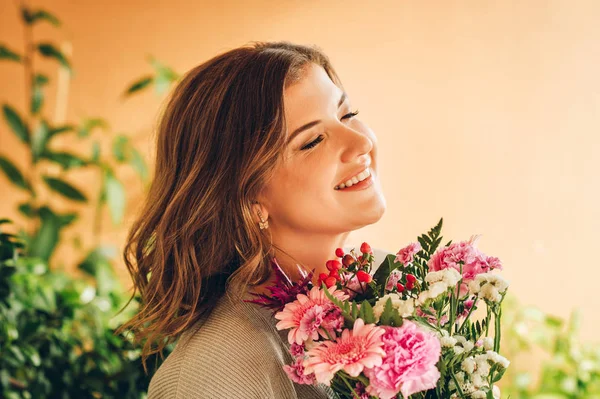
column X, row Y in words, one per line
column 308, row 98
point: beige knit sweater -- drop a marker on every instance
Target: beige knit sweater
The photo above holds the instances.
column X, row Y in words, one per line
column 237, row 353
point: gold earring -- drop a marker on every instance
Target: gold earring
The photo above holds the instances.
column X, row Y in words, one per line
column 263, row 224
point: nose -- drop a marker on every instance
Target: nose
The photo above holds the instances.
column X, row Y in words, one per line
column 355, row 144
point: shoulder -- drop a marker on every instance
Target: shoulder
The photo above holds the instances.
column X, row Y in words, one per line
column 234, row 353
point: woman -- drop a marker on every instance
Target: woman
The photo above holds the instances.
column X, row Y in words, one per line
column 255, row 150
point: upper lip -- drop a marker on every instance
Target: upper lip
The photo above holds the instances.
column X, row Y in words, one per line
column 356, row 172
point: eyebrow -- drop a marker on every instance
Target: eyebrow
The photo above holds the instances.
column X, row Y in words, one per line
column 313, row 123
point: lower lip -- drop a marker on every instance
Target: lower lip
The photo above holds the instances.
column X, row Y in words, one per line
column 360, row 185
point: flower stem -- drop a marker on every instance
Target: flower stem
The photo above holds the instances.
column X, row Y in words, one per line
column 349, row 386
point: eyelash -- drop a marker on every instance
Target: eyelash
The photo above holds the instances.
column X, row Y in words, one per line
column 320, row 138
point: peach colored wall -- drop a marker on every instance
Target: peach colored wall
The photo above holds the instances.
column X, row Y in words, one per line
column 487, row 112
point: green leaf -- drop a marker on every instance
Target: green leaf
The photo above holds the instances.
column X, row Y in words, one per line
column 13, row 174
column 121, row 148
column 115, row 197
column 46, row 238
column 18, row 126
column 388, row 265
column 89, row 124
column 95, row 152
column 366, row 312
column 138, row 164
column 60, row 129
column 27, row 210
column 390, row 315
column 31, row 17
column 50, row 51
column 37, row 94
column 165, row 76
column 65, row 159
column 39, row 140
column 139, row 85
column 66, row 189
column 7, row 54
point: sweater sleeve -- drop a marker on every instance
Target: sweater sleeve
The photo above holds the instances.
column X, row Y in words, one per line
column 224, row 362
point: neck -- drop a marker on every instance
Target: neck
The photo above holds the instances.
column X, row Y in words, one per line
column 309, row 253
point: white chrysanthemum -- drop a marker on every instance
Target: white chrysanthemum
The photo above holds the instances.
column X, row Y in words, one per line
column 488, row 343
column 448, row 342
column 468, row 365
column 479, row 395
column 490, row 293
column 478, row 380
column 498, row 359
column 464, row 343
column 483, row 283
column 483, row 365
column 405, row 307
column 449, row 276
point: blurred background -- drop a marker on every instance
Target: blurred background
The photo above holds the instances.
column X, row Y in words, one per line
column 486, row 112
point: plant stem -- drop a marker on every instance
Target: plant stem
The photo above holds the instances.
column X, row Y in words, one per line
column 349, row 386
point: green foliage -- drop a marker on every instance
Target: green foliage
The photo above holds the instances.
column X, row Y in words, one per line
column 570, row 368
column 8, row 54
column 57, row 334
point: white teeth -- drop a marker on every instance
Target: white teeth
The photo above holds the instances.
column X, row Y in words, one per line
column 358, row 178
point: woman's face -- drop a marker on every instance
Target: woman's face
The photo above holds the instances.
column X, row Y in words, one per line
column 326, row 145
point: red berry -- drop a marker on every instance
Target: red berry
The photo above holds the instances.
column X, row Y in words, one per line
column 366, row 248
column 363, row 276
column 339, row 252
column 330, row 281
column 348, row 260
column 410, row 278
column 400, row 287
column 410, row 285
column 333, row 265
column 323, row 276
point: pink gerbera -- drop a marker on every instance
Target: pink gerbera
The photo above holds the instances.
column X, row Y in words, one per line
column 311, row 315
column 354, row 351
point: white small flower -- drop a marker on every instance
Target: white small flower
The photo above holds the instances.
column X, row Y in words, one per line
column 488, row 343
column 488, row 286
column 478, row 380
column 478, row 395
column 490, row 293
column 496, row 392
column 87, row 295
column 405, row 307
column 449, row 276
column 468, row 365
column 498, row 359
column 437, row 289
column 448, row 342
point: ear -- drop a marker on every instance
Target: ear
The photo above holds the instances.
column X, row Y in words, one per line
column 256, row 208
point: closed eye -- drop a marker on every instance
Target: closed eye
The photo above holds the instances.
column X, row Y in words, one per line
column 320, row 138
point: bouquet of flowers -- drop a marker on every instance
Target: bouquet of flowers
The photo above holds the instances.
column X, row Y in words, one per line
column 406, row 330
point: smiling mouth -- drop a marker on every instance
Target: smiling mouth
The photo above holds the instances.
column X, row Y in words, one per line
column 356, row 180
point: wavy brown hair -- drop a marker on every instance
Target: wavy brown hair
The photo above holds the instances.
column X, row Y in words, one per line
column 221, row 134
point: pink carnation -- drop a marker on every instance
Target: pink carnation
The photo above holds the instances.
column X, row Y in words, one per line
column 409, row 362
column 296, row 372
column 311, row 315
column 474, row 261
column 356, row 350
column 406, row 255
column 431, row 318
column 351, row 284
column 393, row 278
